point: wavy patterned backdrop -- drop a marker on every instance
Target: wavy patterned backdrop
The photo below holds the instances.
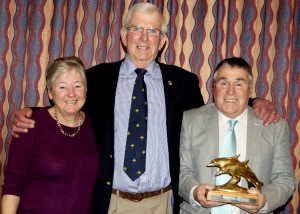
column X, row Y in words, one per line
column 201, row 33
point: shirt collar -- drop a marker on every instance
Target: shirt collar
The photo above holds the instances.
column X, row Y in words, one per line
column 242, row 118
column 128, row 68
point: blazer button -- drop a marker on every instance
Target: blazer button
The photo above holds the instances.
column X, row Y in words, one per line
column 108, row 183
column 110, row 156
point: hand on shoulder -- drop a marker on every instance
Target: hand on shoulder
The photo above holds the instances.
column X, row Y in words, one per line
column 21, row 122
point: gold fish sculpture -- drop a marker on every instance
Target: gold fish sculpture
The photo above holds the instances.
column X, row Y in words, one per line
column 236, row 170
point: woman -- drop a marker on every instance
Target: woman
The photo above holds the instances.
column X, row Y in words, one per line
column 53, row 168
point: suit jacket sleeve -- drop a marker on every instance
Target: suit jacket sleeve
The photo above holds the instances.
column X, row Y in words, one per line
column 282, row 179
column 186, row 178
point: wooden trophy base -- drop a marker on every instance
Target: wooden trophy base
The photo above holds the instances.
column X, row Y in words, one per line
column 232, row 197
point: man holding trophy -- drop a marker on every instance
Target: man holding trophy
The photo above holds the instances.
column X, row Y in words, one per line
column 225, row 149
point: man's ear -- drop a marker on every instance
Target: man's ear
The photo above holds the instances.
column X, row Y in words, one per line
column 162, row 42
column 123, row 33
column 250, row 92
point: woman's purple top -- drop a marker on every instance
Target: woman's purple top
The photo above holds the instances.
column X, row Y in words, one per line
column 51, row 172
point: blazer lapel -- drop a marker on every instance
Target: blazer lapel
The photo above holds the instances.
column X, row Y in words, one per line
column 254, row 130
column 112, row 87
column 109, row 96
column 169, row 98
column 212, row 121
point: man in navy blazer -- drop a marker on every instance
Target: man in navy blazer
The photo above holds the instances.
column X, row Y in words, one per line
column 181, row 93
column 170, row 90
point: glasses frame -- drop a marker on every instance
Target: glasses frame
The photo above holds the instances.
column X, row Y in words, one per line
column 140, row 29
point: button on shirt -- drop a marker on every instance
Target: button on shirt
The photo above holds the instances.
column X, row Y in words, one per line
column 157, row 173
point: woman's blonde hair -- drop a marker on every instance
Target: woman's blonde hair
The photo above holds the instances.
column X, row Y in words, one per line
column 62, row 65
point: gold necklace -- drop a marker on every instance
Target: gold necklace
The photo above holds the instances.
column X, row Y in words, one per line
column 60, row 128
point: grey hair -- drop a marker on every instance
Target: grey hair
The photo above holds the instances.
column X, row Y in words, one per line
column 146, row 8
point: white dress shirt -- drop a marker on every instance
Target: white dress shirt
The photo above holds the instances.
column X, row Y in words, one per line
column 241, row 140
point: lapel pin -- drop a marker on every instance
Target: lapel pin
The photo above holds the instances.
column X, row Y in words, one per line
column 170, row 82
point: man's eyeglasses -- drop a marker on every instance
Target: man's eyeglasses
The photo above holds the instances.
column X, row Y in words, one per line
column 139, row 30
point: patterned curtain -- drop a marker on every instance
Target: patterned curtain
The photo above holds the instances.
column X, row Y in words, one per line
column 201, row 33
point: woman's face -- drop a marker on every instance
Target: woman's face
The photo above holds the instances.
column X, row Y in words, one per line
column 68, row 93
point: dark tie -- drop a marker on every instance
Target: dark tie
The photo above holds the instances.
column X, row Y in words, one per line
column 228, row 150
column 135, row 153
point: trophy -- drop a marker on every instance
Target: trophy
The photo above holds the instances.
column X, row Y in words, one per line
column 231, row 192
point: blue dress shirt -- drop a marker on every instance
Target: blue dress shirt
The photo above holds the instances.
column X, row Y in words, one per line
column 157, row 174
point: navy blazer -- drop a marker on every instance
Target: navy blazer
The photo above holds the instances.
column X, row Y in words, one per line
column 182, row 92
